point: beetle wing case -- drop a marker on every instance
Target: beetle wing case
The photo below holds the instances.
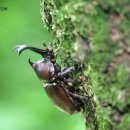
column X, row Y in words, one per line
column 60, row 97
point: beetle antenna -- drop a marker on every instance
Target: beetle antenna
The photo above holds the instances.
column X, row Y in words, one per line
column 21, row 48
column 44, row 45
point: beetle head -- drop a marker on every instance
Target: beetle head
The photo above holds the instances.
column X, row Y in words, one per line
column 44, row 68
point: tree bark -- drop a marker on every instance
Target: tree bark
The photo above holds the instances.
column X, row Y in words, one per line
column 97, row 34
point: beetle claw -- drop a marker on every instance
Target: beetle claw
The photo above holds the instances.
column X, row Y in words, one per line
column 20, row 48
column 30, row 62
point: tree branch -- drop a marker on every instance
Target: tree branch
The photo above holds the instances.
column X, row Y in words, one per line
column 96, row 34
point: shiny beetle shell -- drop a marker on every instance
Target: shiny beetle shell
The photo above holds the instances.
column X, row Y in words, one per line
column 60, row 97
column 44, row 69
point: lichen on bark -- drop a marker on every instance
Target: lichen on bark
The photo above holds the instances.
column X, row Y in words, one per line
column 104, row 28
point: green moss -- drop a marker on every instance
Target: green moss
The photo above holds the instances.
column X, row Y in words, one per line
column 122, row 76
column 77, row 19
column 120, row 6
column 125, row 125
column 104, row 121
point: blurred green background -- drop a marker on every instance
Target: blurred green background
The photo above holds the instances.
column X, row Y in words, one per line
column 23, row 102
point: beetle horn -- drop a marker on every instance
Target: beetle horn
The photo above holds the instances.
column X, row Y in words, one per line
column 21, row 48
column 30, row 62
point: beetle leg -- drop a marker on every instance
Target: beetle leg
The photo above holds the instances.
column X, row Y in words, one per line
column 79, row 96
column 79, row 66
column 71, row 83
column 66, row 71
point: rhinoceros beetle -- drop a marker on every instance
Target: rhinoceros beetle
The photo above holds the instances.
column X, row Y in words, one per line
column 58, row 85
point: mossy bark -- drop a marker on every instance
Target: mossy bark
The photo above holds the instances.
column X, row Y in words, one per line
column 96, row 33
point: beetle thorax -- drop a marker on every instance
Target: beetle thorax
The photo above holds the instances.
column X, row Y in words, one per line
column 44, row 69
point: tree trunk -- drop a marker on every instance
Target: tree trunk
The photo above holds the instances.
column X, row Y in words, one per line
column 97, row 34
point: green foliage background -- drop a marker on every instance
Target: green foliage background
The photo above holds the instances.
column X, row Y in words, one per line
column 23, row 102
